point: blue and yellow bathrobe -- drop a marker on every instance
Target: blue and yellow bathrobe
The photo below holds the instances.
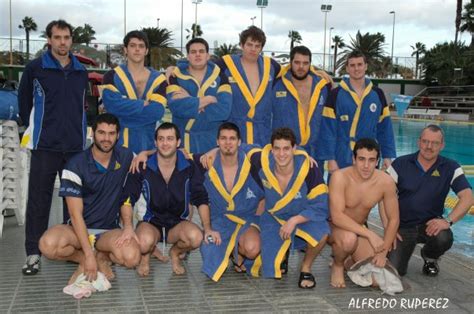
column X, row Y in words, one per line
column 251, row 113
column 232, row 213
column 348, row 118
column 288, row 111
column 138, row 122
column 199, row 129
column 305, row 195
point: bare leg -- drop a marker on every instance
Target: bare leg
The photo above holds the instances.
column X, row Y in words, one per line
column 185, row 236
column 249, row 247
column 344, row 244
column 148, row 236
column 308, row 260
column 159, row 255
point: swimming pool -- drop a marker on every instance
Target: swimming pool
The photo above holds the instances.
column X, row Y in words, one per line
column 460, row 147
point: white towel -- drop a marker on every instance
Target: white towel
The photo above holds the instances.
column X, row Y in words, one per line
column 82, row 288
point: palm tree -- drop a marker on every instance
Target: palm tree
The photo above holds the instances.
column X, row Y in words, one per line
column 338, row 44
column 29, row 25
column 467, row 20
column 83, row 35
column 418, row 49
column 371, row 45
column 162, row 54
column 295, row 38
column 457, row 21
column 225, row 49
column 195, row 31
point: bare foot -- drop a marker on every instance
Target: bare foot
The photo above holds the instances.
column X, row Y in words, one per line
column 144, row 268
column 337, row 276
column 159, row 255
column 76, row 274
column 178, row 269
column 103, row 265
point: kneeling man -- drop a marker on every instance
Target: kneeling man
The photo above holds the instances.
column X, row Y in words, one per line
column 92, row 184
column 353, row 192
column 169, row 184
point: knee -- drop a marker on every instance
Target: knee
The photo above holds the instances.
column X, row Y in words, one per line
column 443, row 240
column 347, row 243
column 252, row 249
column 194, row 238
column 147, row 242
column 48, row 246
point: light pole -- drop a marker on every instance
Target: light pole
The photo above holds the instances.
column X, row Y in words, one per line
column 158, row 23
column 11, row 41
column 253, row 20
column 182, row 26
column 262, row 4
column 393, row 37
column 124, row 17
column 329, row 48
column 196, row 2
column 325, row 8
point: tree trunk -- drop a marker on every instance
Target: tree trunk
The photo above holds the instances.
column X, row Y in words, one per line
column 27, row 47
column 335, row 59
column 416, row 66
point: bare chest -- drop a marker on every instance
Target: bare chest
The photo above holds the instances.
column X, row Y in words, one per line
column 140, row 80
column 304, row 94
column 283, row 180
column 251, row 72
column 166, row 173
column 229, row 177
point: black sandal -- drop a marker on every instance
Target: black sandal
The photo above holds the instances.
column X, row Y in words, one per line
column 284, row 263
column 238, row 268
column 308, row 277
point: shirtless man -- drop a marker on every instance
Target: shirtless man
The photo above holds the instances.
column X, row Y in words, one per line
column 135, row 94
column 298, row 99
column 354, row 191
column 169, row 183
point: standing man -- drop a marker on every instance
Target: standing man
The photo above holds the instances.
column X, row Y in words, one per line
column 51, row 100
column 298, row 99
column 251, row 78
column 423, row 181
column 354, row 191
column 235, row 192
column 199, row 97
column 92, row 184
column 356, row 109
column 169, row 184
column 135, row 94
column 296, row 208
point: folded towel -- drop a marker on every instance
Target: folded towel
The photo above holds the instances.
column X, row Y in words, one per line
column 82, row 288
column 364, row 273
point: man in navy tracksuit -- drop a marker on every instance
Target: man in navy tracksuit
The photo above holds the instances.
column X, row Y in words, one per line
column 51, row 100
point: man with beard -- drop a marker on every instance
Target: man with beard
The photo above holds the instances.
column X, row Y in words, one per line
column 356, row 109
column 235, row 192
column 199, row 97
column 91, row 183
column 51, row 100
column 423, row 181
column 298, row 99
column 135, row 94
column 169, row 184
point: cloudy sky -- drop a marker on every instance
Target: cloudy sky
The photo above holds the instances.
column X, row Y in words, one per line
column 427, row 21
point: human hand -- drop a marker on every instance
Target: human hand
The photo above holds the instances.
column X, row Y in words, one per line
column 287, row 229
column 435, row 225
column 142, row 157
column 90, row 268
column 399, row 238
column 211, row 236
column 380, row 259
column 127, row 235
column 376, row 241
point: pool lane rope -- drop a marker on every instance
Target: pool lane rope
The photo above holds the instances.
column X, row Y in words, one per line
column 452, row 200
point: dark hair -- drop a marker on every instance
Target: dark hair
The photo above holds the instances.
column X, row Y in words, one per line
column 107, row 118
column 284, row 134
column 168, row 126
column 197, row 40
column 138, row 35
column 367, row 143
column 229, row 126
column 434, row 128
column 253, row 32
column 61, row 24
column 302, row 50
column 355, row 54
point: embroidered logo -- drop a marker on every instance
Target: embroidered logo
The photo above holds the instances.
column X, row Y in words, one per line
column 231, row 79
column 280, row 94
column 435, row 173
column 117, row 166
column 250, row 194
column 321, row 101
column 214, row 84
column 344, row 117
column 298, row 195
column 266, row 184
column 373, row 107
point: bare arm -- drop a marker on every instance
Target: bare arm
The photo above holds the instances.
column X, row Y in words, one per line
column 76, row 207
column 391, row 211
column 204, row 213
column 463, row 206
column 261, row 207
column 126, row 213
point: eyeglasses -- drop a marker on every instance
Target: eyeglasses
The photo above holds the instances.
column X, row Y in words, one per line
column 432, row 143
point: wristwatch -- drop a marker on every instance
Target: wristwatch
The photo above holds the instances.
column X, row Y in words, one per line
column 449, row 220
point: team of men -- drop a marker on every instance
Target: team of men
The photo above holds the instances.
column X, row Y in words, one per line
column 256, row 202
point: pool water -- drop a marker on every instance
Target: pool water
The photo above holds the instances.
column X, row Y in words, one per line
column 459, row 139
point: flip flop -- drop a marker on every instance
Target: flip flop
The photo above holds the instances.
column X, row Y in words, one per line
column 238, row 268
column 308, row 277
column 284, row 263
